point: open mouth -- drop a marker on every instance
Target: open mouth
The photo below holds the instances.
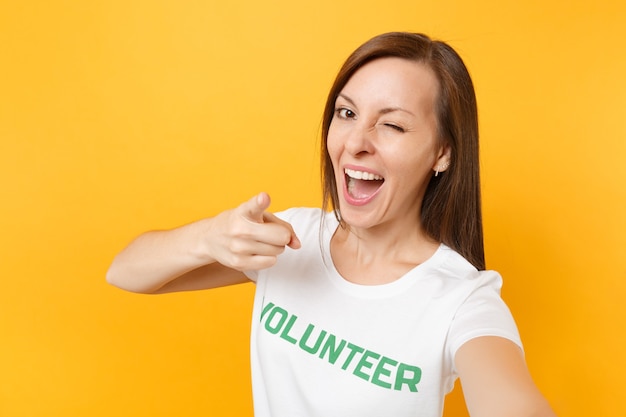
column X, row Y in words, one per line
column 362, row 185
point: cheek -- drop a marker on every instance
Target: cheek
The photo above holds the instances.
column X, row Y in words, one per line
column 333, row 146
column 413, row 166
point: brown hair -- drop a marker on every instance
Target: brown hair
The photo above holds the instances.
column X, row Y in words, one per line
column 451, row 209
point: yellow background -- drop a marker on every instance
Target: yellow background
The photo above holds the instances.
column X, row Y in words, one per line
column 122, row 116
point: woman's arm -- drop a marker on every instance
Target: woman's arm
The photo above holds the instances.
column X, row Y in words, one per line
column 496, row 381
column 205, row 254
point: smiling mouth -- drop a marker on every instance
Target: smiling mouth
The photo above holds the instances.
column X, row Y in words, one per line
column 362, row 185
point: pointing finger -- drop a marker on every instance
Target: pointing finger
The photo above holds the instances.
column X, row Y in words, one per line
column 294, row 242
column 253, row 209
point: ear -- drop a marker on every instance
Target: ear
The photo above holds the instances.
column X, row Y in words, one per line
column 442, row 163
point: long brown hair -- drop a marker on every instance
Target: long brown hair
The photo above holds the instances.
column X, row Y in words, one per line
column 451, row 209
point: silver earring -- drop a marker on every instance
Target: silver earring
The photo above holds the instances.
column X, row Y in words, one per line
column 442, row 167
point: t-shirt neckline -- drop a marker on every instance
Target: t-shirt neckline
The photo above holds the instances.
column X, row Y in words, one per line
column 399, row 285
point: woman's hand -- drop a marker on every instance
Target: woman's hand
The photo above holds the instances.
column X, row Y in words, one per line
column 205, row 254
column 249, row 238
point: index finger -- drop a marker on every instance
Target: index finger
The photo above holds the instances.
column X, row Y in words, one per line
column 271, row 219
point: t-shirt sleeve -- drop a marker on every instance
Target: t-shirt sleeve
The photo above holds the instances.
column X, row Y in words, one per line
column 252, row 275
column 483, row 313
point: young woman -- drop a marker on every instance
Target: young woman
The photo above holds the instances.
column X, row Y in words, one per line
column 376, row 306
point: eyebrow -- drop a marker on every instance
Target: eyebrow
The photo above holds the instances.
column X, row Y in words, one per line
column 381, row 111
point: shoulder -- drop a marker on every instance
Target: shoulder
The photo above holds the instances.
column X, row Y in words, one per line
column 480, row 309
column 450, row 265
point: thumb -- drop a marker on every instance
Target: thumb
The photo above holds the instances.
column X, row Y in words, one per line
column 254, row 208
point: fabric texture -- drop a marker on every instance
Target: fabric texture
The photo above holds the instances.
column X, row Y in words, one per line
column 323, row 346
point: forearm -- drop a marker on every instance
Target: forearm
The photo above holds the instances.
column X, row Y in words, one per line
column 156, row 258
column 206, row 254
column 496, row 381
column 544, row 410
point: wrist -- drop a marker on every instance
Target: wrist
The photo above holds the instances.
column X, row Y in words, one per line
column 200, row 250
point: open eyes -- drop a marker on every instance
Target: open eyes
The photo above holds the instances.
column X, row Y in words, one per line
column 344, row 113
column 347, row 114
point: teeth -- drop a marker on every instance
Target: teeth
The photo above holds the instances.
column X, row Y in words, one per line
column 361, row 175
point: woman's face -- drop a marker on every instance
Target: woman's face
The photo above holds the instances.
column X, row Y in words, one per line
column 383, row 142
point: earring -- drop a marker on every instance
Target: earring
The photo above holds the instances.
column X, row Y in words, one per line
column 442, row 168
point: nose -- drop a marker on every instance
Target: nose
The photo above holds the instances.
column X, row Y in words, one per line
column 360, row 140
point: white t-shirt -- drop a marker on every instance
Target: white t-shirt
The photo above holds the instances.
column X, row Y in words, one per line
column 322, row 346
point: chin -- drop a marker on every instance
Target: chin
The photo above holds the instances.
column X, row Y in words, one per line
column 357, row 218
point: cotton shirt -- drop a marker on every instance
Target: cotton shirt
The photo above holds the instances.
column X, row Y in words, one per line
column 322, row 346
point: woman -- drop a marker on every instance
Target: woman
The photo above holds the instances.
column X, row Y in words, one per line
column 376, row 307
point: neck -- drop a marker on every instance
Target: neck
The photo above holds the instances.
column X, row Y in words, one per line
column 379, row 255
